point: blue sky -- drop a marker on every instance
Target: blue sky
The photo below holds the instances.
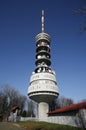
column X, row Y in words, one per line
column 20, row 22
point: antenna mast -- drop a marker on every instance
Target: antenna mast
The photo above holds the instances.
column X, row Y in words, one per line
column 42, row 20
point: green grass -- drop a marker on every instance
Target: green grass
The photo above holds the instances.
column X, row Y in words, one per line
column 31, row 125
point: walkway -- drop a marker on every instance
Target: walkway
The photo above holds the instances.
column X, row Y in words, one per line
column 9, row 126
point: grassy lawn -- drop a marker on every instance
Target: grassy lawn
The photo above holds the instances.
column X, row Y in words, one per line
column 31, row 125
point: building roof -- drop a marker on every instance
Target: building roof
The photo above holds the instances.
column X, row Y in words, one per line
column 14, row 108
column 73, row 107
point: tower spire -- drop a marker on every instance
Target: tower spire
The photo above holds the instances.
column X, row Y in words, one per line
column 42, row 20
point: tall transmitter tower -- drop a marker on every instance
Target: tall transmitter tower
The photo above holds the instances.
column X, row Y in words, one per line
column 43, row 86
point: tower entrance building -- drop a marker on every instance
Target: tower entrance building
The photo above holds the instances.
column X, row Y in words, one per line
column 43, row 86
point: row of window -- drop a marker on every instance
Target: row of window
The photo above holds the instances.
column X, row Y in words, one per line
column 45, row 48
column 43, row 76
column 43, row 44
column 42, row 56
column 44, row 69
column 38, row 87
column 43, row 82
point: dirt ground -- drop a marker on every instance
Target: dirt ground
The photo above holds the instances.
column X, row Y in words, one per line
column 9, row 126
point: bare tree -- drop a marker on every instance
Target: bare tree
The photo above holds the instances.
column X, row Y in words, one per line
column 63, row 101
column 10, row 97
column 60, row 102
column 13, row 98
column 31, row 108
column 81, row 11
column 3, row 104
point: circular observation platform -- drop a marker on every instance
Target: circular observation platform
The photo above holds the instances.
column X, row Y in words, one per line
column 43, row 87
column 41, row 53
column 43, row 48
column 44, row 59
column 42, row 36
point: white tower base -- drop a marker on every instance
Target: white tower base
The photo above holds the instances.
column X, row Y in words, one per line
column 43, row 109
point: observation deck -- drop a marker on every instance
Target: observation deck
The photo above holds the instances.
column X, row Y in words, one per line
column 43, row 87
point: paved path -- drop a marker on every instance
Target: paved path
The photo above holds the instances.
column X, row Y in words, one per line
column 9, row 126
